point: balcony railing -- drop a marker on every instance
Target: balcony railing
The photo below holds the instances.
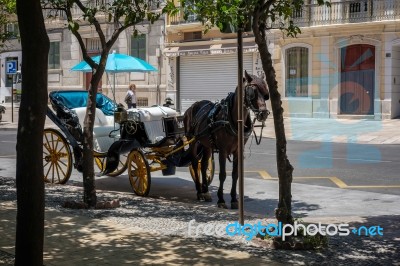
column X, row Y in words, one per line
column 76, row 12
column 342, row 12
column 178, row 19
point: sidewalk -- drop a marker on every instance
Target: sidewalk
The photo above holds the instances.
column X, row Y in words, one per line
column 79, row 240
column 148, row 231
column 301, row 129
column 86, row 238
column 337, row 130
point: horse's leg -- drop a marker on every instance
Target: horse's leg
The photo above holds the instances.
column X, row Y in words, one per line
column 234, row 201
column 204, row 167
column 195, row 167
column 197, row 183
column 222, row 176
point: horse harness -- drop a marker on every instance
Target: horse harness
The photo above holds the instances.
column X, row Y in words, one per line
column 210, row 111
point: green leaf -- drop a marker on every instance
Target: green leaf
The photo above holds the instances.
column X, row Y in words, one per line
column 73, row 26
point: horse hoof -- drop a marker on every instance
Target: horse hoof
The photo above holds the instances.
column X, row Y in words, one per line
column 222, row 205
column 234, row 205
column 200, row 196
column 207, row 197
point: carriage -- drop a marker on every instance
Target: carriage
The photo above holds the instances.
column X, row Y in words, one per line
column 139, row 140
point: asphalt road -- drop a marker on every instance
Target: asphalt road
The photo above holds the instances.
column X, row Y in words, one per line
column 364, row 167
column 373, row 168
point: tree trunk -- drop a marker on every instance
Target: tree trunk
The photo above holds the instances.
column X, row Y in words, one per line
column 89, row 187
column 32, row 115
column 284, row 211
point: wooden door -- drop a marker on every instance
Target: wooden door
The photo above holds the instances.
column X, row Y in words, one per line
column 357, row 79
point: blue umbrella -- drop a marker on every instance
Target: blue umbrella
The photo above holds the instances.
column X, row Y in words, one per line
column 117, row 63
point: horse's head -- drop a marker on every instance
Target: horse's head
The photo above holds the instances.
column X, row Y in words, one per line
column 256, row 94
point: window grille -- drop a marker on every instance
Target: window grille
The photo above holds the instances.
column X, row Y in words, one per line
column 142, row 101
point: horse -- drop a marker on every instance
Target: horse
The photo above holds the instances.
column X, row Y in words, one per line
column 214, row 127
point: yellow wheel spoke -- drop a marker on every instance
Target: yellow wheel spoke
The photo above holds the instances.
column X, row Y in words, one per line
column 57, row 160
column 47, row 145
column 62, row 162
column 52, row 142
column 61, row 148
column 52, row 172
column 44, row 165
column 61, row 169
column 139, row 173
column 48, row 171
column 58, row 172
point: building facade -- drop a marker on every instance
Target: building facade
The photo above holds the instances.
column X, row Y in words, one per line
column 345, row 63
column 65, row 52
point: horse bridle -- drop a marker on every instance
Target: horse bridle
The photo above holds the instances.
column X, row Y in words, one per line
column 249, row 96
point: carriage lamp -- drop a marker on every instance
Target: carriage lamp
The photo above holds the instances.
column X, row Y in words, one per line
column 120, row 115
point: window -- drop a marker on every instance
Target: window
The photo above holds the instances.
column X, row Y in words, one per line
column 138, row 46
column 154, row 4
column 191, row 16
column 12, row 29
column 54, row 55
column 93, row 45
column 296, row 72
column 297, row 12
column 357, row 7
column 195, row 35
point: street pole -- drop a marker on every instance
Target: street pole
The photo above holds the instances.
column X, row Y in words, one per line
column 240, row 124
column 12, row 100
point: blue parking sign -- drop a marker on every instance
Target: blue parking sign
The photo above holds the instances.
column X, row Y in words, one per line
column 11, row 67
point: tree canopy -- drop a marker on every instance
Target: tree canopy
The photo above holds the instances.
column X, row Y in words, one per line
column 8, row 10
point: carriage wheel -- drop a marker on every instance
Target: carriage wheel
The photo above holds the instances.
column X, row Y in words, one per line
column 100, row 162
column 123, row 158
column 139, row 173
column 123, row 164
column 57, row 158
column 210, row 171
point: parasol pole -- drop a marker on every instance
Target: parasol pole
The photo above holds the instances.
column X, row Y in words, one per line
column 114, row 87
column 114, row 94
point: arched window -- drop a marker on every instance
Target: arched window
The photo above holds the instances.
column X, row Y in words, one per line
column 296, row 72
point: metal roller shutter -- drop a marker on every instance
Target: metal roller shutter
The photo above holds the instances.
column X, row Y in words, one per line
column 209, row 77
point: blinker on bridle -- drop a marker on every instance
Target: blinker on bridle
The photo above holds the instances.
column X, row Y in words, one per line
column 250, row 95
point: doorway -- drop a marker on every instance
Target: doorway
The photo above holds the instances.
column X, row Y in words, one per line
column 357, row 79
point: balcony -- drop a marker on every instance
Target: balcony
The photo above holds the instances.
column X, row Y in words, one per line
column 77, row 13
column 178, row 19
column 342, row 12
column 345, row 12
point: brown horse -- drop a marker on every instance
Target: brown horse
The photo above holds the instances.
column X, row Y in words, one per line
column 214, row 125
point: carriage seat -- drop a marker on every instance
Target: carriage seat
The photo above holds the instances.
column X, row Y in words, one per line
column 152, row 118
column 103, row 125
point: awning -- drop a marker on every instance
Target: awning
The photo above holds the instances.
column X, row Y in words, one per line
column 214, row 49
